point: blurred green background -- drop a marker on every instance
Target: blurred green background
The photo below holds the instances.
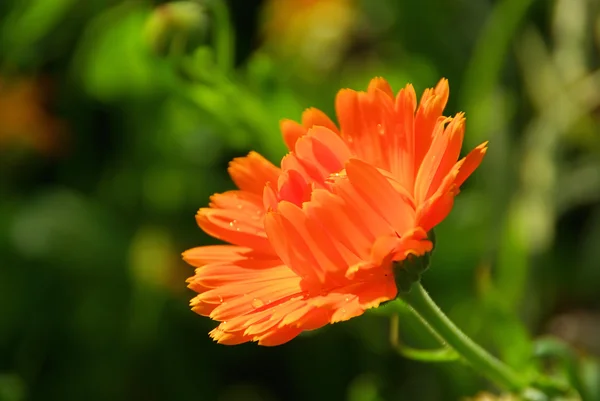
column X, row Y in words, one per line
column 118, row 119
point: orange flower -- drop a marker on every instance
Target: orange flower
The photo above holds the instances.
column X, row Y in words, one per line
column 23, row 119
column 315, row 242
column 418, row 147
column 313, row 33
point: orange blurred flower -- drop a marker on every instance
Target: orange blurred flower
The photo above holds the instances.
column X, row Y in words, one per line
column 314, row 32
column 315, row 242
column 23, row 119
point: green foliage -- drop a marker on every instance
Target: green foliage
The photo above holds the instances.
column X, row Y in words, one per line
column 24, row 27
column 112, row 60
column 152, row 101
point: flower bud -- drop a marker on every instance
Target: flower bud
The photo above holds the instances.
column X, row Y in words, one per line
column 174, row 24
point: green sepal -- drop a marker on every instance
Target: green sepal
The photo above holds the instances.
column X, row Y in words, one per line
column 409, row 271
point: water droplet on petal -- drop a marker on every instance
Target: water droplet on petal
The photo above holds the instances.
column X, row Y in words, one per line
column 220, row 299
column 347, row 299
column 257, row 303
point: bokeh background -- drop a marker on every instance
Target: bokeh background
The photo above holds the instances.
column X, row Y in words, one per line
column 118, row 120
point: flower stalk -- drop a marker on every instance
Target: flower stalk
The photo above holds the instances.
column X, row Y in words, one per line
column 488, row 365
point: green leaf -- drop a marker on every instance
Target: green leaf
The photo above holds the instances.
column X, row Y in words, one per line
column 12, row 387
column 569, row 368
column 28, row 23
column 512, row 265
column 484, row 70
column 589, row 374
column 113, row 60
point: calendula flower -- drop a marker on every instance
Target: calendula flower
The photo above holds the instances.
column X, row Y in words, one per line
column 317, row 240
column 417, row 146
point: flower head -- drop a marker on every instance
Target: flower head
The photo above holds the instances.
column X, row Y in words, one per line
column 316, row 241
column 416, row 146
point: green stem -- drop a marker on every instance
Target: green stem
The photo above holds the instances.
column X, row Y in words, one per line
column 480, row 359
column 444, row 354
column 223, row 35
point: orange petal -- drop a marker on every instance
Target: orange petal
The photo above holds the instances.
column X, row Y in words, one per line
column 397, row 248
column 217, row 275
column 308, row 240
column 442, row 90
column 330, row 259
column 291, row 132
column 270, row 197
column 375, row 130
column 238, row 200
column 262, row 325
column 235, row 226
column 241, row 300
column 293, row 187
column 413, row 242
column 430, row 110
column 225, row 338
column 322, row 150
column 402, row 149
column 204, row 255
column 246, row 297
column 451, row 145
column 252, row 172
column 471, row 162
column 380, row 196
column 241, row 297
column 376, row 291
column 355, row 204
column 314, row 117
column 337, row 216
column 381, row 84
column 286, row 241
column 353, row 299
column 296, row 246
column 309, row 171
column 441, row 156
column 346, row 107
column 317, row 155
column 436, row 209
column 433, row 210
